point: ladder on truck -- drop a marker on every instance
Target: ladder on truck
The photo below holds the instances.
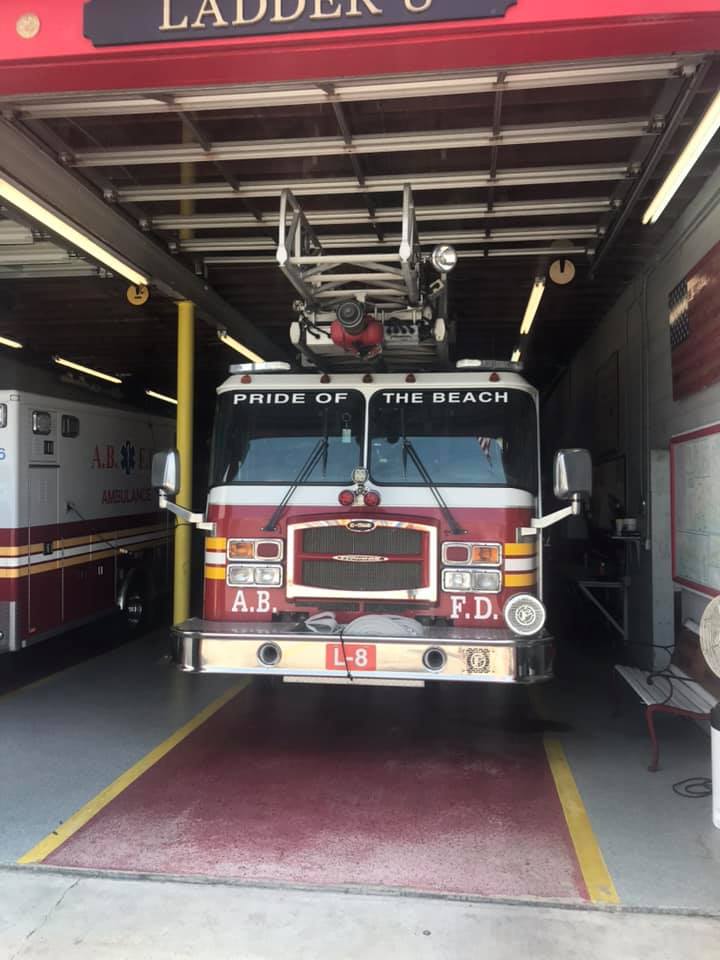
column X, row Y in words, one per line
column 392, row 285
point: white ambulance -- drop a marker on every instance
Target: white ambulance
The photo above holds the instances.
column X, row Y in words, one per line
column 80, row 532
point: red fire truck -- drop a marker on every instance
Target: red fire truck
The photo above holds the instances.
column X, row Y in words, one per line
column 374, row 516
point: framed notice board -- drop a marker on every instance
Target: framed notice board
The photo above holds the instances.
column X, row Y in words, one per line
column 694, row 490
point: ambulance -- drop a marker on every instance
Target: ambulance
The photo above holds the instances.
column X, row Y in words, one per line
column 80, row 530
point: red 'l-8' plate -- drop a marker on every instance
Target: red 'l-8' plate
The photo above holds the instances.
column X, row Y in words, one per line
column 359, row 656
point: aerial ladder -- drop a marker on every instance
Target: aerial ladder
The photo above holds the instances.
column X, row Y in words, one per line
column 386, row 309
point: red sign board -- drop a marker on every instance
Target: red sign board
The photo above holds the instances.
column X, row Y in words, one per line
column 46, row 50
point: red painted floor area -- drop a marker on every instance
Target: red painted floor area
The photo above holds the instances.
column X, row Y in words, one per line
column 446, row 791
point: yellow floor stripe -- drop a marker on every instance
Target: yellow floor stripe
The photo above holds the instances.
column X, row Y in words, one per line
column 55, row 839
column 597, row 878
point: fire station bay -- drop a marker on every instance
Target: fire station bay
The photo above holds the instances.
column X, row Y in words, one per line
column 359, row 479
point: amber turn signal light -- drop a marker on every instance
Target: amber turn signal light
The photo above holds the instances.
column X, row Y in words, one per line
column 241, row 550
column 485, row 553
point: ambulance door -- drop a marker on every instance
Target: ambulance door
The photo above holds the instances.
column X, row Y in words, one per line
column 44, row 594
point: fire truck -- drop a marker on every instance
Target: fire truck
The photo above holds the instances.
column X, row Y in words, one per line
column 80, row 532
column 374, row 515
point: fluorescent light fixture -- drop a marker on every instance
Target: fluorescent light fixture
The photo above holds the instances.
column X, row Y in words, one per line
column 224, row 337
column 515, row 358
column 536, row 295
column 704, row 132
column 88, row 370
column 160, row 396
column 7, row 342
column 25, row 203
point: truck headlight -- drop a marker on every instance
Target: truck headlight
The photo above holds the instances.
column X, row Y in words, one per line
column 268, row 576
column 524, row 614
column 238, row 576
column 486, row 581
column 457, row 580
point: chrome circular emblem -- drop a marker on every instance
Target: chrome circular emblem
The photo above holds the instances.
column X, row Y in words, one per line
column 524, row 614
column 28, row 26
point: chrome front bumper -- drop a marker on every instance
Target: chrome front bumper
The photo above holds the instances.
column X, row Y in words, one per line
column 496, row 656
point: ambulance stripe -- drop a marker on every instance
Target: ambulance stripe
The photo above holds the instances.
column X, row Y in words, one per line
column 16, row 567
column 126, row 535
column 127, row 545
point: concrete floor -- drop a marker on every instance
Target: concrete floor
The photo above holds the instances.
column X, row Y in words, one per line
column 66, row 739
column 48, row 916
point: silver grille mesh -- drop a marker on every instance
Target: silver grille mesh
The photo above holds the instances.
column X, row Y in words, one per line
column 340, row 575
column 378, row 542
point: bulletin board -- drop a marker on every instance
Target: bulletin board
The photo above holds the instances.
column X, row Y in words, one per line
column 695, row 482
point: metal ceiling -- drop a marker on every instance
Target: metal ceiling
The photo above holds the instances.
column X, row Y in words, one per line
column 514, row 167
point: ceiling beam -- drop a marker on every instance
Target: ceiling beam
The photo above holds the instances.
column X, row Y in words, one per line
column 412, row 142
column 352, row 91
column 557, row 249
column 33, row 169
column 309, row 187
column 350, row 241
column 478, row 211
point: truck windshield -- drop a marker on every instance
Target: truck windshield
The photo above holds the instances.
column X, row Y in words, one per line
column 267, row 436
column 466, row 437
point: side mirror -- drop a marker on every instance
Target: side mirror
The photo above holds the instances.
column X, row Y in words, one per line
column 572, row 474
column 165, row 473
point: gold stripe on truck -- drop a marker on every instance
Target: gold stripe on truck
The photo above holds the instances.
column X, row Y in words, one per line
column 521, row 579
column 216, row 544
column 520, row 549
column 214, row 573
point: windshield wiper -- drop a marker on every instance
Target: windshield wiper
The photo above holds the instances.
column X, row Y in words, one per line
column 409, row 450
column 318, row 451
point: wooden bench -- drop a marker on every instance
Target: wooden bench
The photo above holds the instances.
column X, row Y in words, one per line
column 667, row 691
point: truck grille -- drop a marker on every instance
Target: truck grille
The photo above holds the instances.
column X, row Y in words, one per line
column 395, row 560
column 381, row 540
column 343, row 575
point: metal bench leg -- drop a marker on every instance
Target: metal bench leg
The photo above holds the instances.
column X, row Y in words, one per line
column 650, row 718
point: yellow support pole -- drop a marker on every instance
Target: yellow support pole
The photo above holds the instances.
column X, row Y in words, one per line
column 185, row 400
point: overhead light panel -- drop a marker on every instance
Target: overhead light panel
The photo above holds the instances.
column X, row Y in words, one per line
column 515, row 358
column 88, row 370
column 7, row 342
column 536, row 295
column 25, row 203
column 160, row 396
column 704, row 132
column 224, row 337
